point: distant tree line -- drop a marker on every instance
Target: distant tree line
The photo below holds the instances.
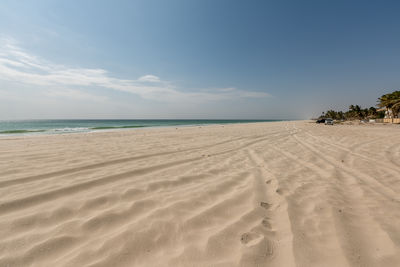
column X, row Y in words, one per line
column 390, row 103
column 355, row 112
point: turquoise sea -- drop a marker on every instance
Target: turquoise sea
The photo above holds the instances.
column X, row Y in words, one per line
column 34, row 127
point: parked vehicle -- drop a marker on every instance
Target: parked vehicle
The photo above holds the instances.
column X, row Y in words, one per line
column 321, row 121
column 328, row 122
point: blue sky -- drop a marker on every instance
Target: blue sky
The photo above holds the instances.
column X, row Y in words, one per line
column 195, row 59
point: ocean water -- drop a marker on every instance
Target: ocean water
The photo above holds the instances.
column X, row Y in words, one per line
column 35, row 127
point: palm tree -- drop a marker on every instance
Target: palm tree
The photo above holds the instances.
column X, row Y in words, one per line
column 355, row 111
column 391, row 102
column 372, row 112
column 331, row 114
column 340, row 115
column 396, row 103
column 384, row 101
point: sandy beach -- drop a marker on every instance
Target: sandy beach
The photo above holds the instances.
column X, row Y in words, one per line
column 259, row 194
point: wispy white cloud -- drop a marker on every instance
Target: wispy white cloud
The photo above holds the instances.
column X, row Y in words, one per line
column 74, row 94
column 149, row 78
column 19, row 66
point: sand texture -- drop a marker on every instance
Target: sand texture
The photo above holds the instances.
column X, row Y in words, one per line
column 262, row 194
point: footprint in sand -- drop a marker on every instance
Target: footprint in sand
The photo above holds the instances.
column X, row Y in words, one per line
column 265, row 205
column 250, row 239
column 280, row 191
column 265, row 222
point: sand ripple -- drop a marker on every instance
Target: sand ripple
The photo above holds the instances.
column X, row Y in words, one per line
column 263, row 194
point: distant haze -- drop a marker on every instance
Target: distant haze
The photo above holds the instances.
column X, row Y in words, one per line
column 194, row 59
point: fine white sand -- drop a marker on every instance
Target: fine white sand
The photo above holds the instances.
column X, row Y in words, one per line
column 262, row 194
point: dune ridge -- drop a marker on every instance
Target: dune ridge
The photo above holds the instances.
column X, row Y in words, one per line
column 259, row 194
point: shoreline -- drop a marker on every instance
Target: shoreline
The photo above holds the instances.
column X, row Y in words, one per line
column 41, row 132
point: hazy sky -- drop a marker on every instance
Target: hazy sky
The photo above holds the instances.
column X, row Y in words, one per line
column 195, row 59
